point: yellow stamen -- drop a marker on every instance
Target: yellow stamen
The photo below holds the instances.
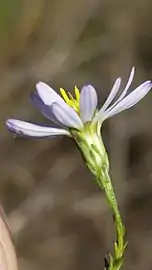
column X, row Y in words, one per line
column 70, row 100
column 77, row 94
column 64, row 95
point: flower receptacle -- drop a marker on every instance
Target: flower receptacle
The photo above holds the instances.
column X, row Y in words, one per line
column 90, row 143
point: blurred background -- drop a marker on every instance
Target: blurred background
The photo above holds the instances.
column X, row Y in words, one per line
column 58, row 216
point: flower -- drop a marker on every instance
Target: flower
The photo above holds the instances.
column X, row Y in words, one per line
column 74, row 114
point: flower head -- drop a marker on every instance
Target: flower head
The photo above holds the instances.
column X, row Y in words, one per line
column 76, row 113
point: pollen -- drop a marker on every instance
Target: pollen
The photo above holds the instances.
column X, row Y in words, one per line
column 70, row 100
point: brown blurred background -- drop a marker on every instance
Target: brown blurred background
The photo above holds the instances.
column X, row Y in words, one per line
column 58, row 216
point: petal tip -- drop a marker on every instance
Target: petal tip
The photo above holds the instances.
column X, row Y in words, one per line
column 10, row 124
column 40, row 86
column 39, row 83
column 133, row 69
column 147, row 83
column 118, row 80
column 47, row 94
column 90, row 86
column 150, row 84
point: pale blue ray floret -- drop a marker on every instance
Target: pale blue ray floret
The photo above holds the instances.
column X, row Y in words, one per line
column 69, row 113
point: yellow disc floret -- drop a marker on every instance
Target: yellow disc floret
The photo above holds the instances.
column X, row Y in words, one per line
column 70, row 100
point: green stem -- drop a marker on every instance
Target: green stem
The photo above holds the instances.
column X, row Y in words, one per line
column 94, row 154
column 115, row 262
